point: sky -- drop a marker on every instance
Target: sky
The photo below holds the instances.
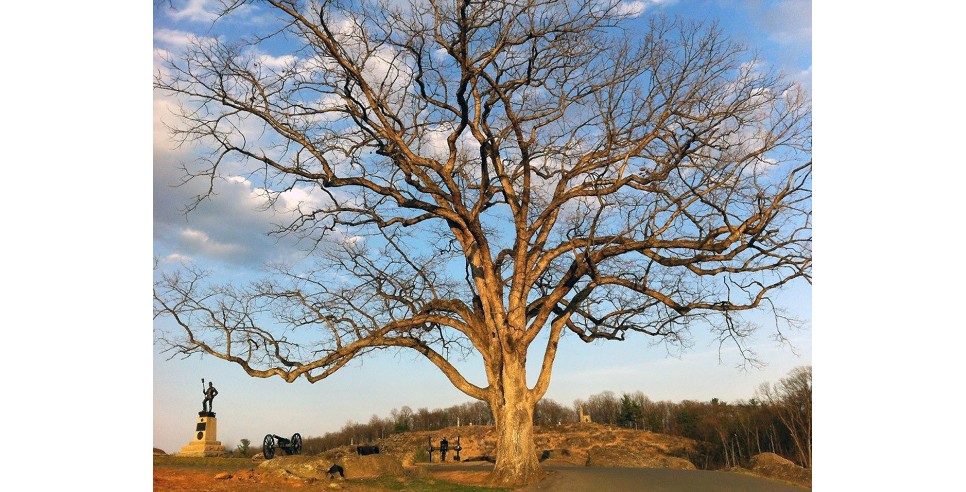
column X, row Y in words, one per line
column 83, row 224
column 228, row 235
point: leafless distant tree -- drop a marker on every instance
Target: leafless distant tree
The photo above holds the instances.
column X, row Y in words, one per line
column 791, row 401
column 548, row 412
column 490, row 173
column 602, row 408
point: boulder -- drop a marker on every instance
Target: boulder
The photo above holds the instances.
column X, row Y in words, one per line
column 317, row 467
column 630, row 455
column 773, row 466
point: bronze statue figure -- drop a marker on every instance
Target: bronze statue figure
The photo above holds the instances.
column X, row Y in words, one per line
column 210, row 395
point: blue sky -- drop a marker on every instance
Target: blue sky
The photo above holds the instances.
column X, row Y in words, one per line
column 82, row 229
column 228, row 234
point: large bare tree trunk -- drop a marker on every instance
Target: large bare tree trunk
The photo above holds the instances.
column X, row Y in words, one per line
column 513, row 405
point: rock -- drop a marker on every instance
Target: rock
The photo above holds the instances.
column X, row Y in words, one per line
column 223, row 476
column 769, row 459
column 316, row 467
column 159, row 452
column 245, row 476
column 773, row 466
column 634, row 455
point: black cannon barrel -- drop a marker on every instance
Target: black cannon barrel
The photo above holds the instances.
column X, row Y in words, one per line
column 282, row 441
column 367, row 450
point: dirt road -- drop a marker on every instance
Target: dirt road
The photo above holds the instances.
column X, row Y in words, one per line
column 582, row 479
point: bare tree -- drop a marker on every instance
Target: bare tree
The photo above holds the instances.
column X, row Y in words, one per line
column 602, row 408
column 491, row 172
column 791, row 401
column 548, row 412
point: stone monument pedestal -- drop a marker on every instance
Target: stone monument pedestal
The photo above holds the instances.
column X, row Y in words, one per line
column 205, row 442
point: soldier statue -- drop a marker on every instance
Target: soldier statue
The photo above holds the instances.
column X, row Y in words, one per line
column 210, row 395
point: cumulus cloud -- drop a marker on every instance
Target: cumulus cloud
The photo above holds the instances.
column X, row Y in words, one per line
column 195, row 11
column 173, row 37
column 170, row 41
column 631, row 9
column 163, row 110
column 636, row 8
column 804, row 77
column 201, row 242
column 276, row 62
column 299, row 198
column 176, row 258
column 230, row 227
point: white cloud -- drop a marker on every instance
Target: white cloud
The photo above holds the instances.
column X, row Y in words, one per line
column 637, row 7
column 176, row 258
column 231, row 226
column 194, row 11
column 631, row 9
column 202, row 243
column 297, row 198
column 164, row 111
column 276, row 62
column 804, row 77
column 172, row 37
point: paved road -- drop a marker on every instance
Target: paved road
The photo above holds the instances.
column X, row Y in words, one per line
column 599, row 479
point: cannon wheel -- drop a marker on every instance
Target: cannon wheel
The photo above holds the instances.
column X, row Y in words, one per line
column 268, row 447
column 296, row 443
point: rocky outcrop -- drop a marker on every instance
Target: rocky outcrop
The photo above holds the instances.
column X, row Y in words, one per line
column 310, row 468
column 586, row 444
column 773, row 466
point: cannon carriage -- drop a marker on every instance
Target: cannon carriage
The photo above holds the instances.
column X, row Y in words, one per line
column 290, row 446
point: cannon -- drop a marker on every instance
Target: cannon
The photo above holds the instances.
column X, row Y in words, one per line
column 457, row 448
column 367, row 450
column 290, row 446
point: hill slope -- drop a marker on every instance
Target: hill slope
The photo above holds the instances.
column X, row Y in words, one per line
column 575, row 444
column 563, row 445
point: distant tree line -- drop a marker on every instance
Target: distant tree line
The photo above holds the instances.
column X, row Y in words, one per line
column 777, row 419
column 403, row 419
